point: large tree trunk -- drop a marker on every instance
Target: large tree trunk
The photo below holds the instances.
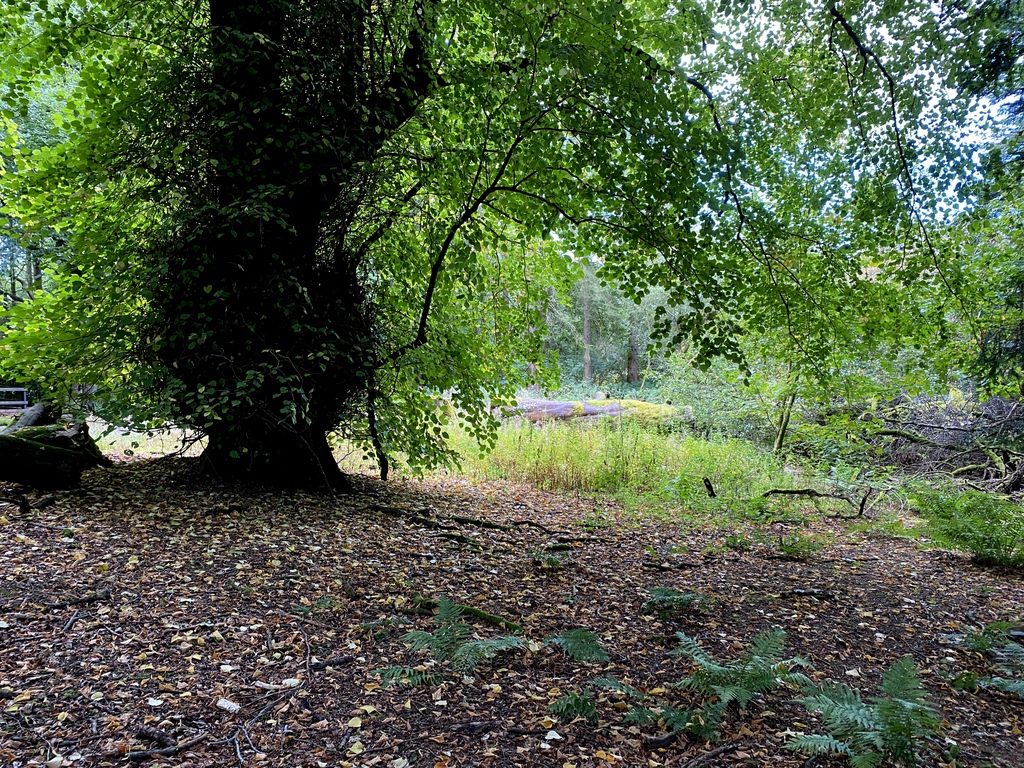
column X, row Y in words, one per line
column 274, row 455
column 262, row 325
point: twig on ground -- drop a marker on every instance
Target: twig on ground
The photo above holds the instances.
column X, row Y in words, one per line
column 71, row 622
column 701, row 759
column 166, row 751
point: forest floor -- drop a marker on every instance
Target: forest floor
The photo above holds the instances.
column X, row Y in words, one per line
column 155, row 618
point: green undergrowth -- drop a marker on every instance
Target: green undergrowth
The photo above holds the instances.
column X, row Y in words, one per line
column 990, row 528
column 641, row 465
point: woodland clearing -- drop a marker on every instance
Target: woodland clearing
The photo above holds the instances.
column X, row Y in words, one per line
column 154, row 616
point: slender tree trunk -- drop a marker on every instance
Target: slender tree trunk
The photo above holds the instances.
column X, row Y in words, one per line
column 633, row 357
column 588, row 369
column 783, row 424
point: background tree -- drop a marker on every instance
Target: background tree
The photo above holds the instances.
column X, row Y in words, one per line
column 290, row 217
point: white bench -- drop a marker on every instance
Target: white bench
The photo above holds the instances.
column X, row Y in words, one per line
column 13, row 398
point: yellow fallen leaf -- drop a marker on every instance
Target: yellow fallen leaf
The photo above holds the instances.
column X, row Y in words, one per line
column 355, row 722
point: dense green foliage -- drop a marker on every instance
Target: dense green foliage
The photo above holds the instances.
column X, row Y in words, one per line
column 284, row 218
column 990, row 528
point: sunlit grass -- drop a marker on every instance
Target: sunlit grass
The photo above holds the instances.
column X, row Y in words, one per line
column 624, row 458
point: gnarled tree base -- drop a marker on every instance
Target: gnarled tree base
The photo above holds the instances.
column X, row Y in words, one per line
column 282, row 458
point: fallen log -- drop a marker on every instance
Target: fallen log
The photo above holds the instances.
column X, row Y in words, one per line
column 542, row 410
column 49, row 457
column 40, row 413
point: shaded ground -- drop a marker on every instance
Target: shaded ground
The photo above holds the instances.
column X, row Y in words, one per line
column 137, row 613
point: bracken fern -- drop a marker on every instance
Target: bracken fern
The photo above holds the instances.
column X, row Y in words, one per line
column 579, row 645
column 885, row 729
column 450, row 643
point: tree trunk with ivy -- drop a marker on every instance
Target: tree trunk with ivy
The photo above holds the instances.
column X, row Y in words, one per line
column 262, row 321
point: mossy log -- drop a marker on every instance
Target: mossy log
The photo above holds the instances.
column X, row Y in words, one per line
column 543, row 410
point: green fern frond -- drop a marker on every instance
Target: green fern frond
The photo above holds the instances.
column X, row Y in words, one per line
column 1003, row 684
column 1009, row 659
column 677, row 720
column 901, row 682
column 448, row 612
column 666, row 601
column 689, row 647
column 641, row 716
column 420, row 641
column 704, row 722
column 469, row 656
column 574, row 705
column 449, row 637
column 407, row 676
column 886, row 728
column 767, row 646
column 611, row 684
column 842, row 710
column 817, row 744
column 579, row 645
column 866, row 760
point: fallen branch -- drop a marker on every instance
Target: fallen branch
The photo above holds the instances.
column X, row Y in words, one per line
column 479, row 523
column 811, row 492
column 701, row 759
column 166, row 751
column 92, row 597
column 155, row 734
column 71, row 622
column 660, row 742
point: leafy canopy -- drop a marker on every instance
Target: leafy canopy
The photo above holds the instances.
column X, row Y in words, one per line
column 290, row 217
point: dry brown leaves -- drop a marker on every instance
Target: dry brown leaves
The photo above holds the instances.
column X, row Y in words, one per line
column 156, row 618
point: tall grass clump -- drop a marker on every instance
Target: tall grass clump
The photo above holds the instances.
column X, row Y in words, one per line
column 613, row 455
